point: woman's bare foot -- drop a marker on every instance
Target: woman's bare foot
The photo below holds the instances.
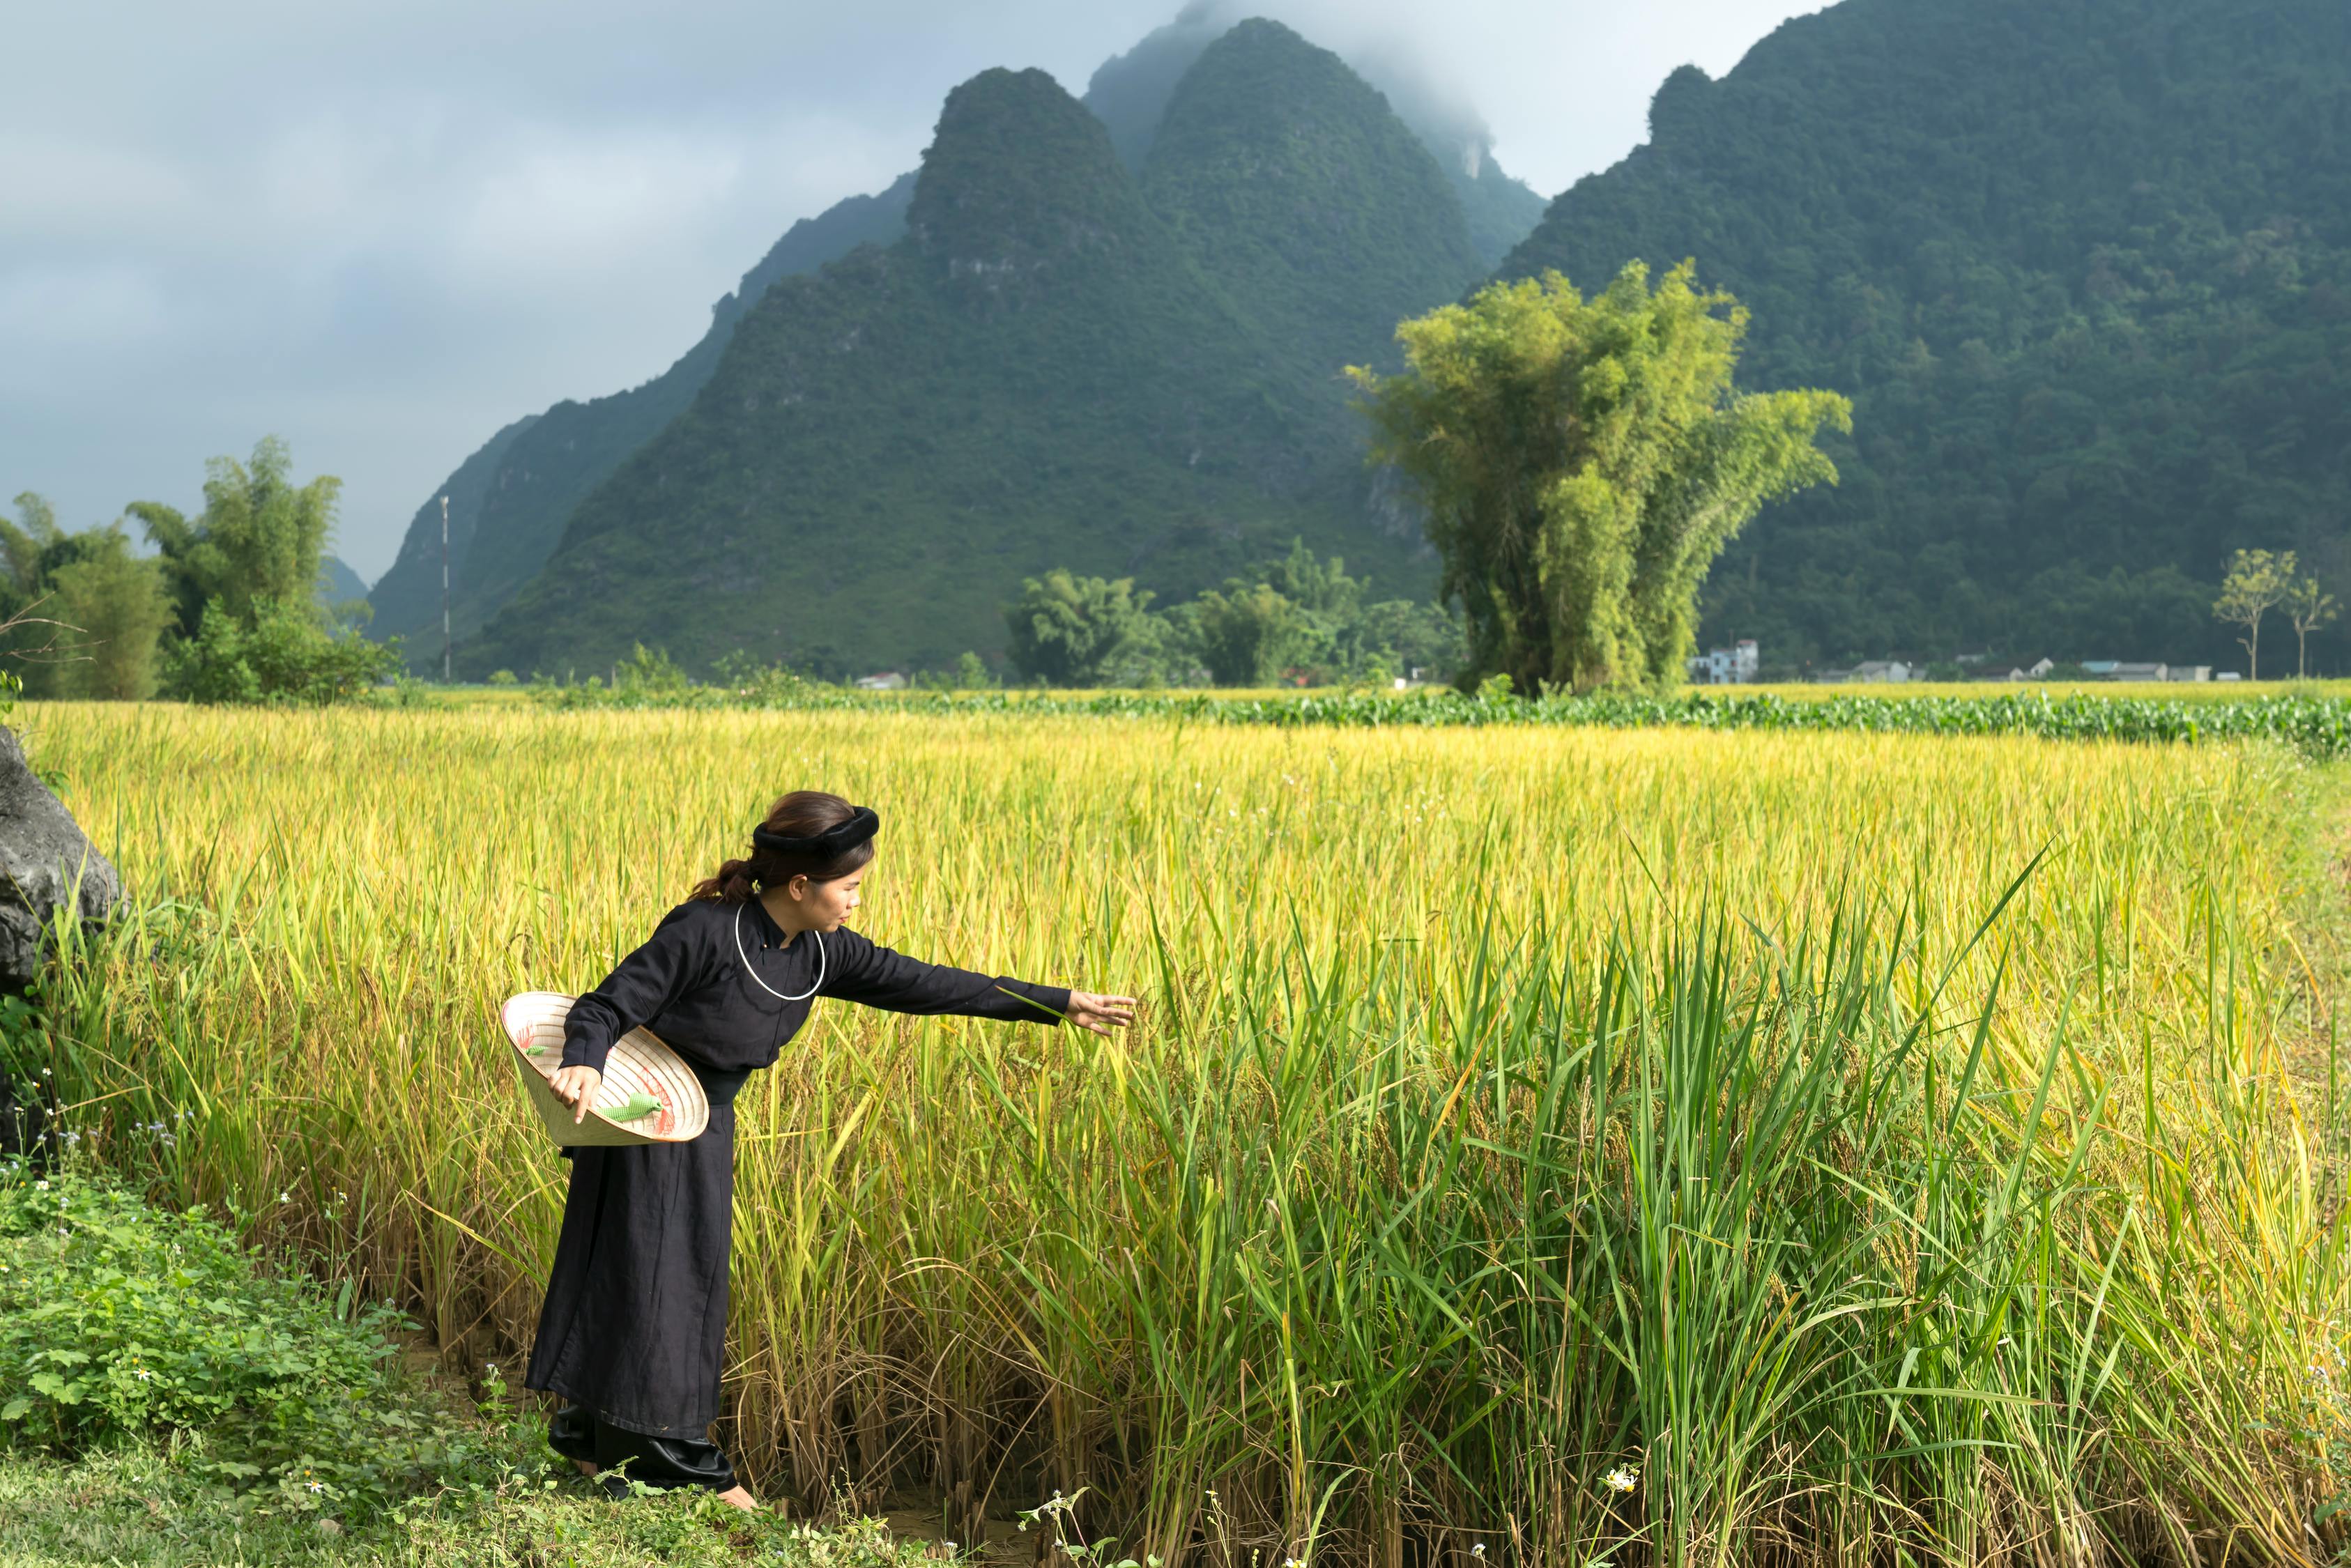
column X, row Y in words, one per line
column 585, row 1466
column 741, row 1500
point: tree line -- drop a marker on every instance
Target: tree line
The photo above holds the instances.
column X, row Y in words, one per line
column 1297, row 620
column 226, row 610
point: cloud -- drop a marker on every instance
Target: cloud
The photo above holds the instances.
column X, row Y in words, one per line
column 385, row 228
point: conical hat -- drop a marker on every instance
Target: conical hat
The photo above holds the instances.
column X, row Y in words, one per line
column 639, row 1064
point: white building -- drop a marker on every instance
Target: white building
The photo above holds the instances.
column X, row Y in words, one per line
column 888, row 681
column 1732, row 666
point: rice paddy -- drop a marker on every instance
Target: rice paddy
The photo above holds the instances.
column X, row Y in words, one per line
column 1543, row 1145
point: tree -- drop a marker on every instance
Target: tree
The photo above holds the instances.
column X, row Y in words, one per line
column 116, row 604
column 1583, row 463
column 279, row 652
column 260, row 536
column 2308, row 606
column 2257, row 582
column 1247, row 634
column 84, row 612
column 1070, row 631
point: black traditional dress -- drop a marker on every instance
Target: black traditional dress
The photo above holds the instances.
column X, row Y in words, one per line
column 633, row 1333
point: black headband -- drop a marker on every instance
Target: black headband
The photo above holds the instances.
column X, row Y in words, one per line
column 828, row 845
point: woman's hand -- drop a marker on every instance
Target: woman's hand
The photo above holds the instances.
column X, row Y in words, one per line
column 576, row 1087
column 1100, row 1014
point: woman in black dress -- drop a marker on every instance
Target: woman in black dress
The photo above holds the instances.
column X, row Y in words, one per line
column 634, row 1333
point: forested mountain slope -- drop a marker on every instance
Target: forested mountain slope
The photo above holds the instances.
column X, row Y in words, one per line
column 1130, row 94
column 1060, row 364
column 509, row 502
column 2085, row 266
column 1285, row 177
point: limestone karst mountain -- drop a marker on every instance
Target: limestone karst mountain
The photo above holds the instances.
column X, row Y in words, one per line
column 2085, row 266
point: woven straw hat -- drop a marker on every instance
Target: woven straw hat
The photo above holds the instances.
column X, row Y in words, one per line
column 639, row 1064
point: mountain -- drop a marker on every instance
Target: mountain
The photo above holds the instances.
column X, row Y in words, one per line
column 337, row 583
column 2085, row 266
column 509, row 502
column 1058, row 365
column 1285, row 176
column 1130, row 94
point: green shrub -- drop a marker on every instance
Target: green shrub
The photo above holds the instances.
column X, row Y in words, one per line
column 119, row 1321
column 281, row 655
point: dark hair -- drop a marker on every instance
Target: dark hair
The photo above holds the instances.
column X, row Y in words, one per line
column 802, row 814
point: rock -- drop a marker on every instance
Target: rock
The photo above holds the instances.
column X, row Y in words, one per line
column 44, row 860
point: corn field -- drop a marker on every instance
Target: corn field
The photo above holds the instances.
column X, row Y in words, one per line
column 1552, row 1146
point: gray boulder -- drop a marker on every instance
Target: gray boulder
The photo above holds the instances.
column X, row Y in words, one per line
column 44, row 862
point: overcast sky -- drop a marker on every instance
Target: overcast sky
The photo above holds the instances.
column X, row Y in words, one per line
column 384, row 229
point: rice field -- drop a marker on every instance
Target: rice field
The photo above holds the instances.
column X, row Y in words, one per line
column 1552, row 1146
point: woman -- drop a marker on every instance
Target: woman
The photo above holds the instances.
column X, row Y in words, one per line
column 634, row 1330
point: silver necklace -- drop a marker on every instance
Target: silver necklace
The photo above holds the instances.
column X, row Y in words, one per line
column 763, row 985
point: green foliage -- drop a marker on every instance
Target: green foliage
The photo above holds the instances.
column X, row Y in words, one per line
column 1071, row 631
column 2308, row 606
column 118, row 1322
column 281, row 656
column 2084, row 271
column 1583, row 464
column 649, row 678
column 166, row 1397
column 92, row 611
column 1299, row 618
column 2256, row 582
column 260, row 536
column 118, row 605
column 1246, row 635
column 2318, row 727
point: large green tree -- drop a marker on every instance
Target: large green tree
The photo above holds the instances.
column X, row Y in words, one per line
column 1584, row 462
column 260, row 536
column 1072, row 631
column 92, row 612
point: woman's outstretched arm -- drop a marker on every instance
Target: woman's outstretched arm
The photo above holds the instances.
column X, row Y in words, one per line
column 858, row 970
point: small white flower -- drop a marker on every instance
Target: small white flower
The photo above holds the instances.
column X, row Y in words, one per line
column 144, row 1375
column 1623, row 1478
column 41, row 1185
column 281, row 1197
column 317, row 1486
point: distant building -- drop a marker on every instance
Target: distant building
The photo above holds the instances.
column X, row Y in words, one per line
column 887, row 680
column 1733, row 667
column 2187, row 672
column 2120, row 670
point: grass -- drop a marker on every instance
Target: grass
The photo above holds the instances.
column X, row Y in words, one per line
column 1873, row 1147
column 177, row 1399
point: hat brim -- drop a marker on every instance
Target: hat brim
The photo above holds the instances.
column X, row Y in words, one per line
column 639, row 1063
